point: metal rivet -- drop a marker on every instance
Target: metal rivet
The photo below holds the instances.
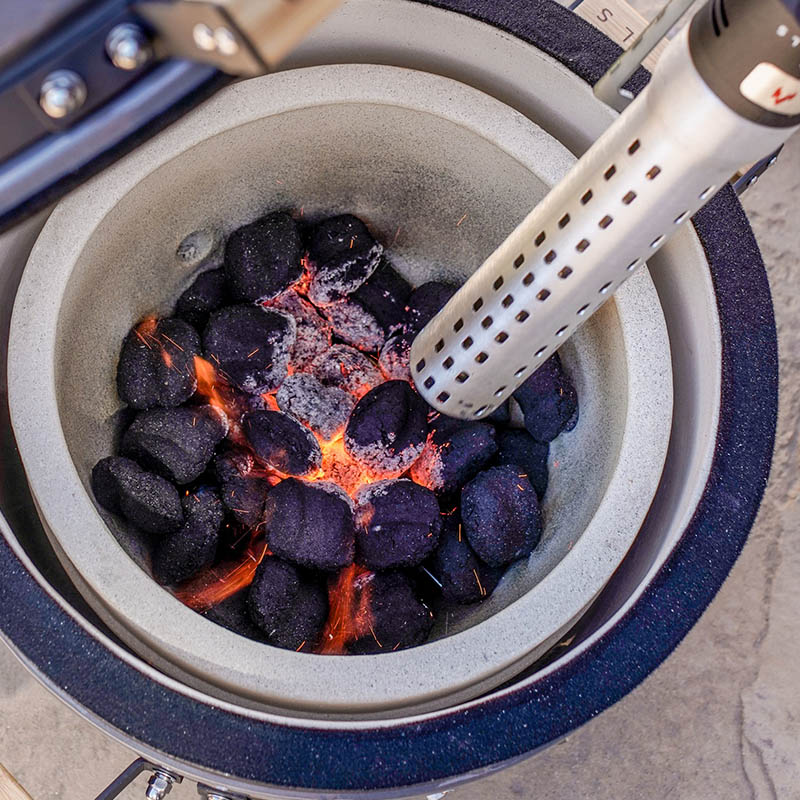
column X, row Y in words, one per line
column 127, row 47
column 62, row 92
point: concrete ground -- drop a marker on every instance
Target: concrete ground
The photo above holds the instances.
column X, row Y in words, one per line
column 720, row 719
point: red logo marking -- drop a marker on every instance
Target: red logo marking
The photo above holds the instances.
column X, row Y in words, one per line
column 780, row 97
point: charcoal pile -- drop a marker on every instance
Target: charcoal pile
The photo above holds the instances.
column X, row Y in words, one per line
column 289, row 480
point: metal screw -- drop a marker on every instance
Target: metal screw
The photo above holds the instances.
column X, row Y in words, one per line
column 62, row 92
column 159, row 786
column 128, row 47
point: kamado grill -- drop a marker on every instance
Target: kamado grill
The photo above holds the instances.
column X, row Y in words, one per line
column 441, row 125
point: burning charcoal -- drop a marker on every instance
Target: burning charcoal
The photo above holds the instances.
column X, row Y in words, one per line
column 397, row 524
column 233, row 613
column 325, row 409
column 464, row 578
column 156, row 365
column 394, row 357
column 385, row 295
column 313, row 332
column 147, row 501
column 398, row 618
column 182, row 553
column 281, row 442
column 310, row 524
column 264, row 258
column 501, row 516
column 387, row 430
column 346, row 368
column 242, row 490
column 176, row 443
column 251, row 345
column 520, row 449
column 454, row 454
column 207, row 294
column 355, row 324
column 288, row 605
column 426, row 302
column 341, row 255
column 548, row 401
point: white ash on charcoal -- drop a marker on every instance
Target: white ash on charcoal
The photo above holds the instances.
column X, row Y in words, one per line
column 313, row 335
column 394, row 358
column 207, row 293
column 156, row 365
column 325, row 409
column 500, row 515
column 176, row 443
column 251, row 345
column 264, row 258
column 519, row 449
column 289, row 605
column 181, row 554
column 310, row 524
column 398, row 618
column 355, row 324
column 384, row 295
column 148, row 501
column 242, row 489
column 346, row 368
column 341, row 254
column 397, row 524
column 282, row 443
column 388, row 429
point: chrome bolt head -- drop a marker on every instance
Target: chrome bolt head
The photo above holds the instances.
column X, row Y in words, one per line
column 62, row 93
column 204, row 37
column 128, row 47
column 220, row 40
column 226, row 42
column 159, row 786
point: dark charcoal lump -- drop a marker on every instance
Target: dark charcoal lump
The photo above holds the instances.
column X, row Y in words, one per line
column 387, row 430
column 464, row 578
column 242, row 491
column 156, row 365
column 281, row 442
column 207, row 293
column 251, row 345
column 348, row 369
column 148, row 501
column 355, row 324
column 341, row 255
column 385, row 295
column 454, row 454
column 501, row 415
column 182, row 553
column 288, row 605
column 264, row 258
column 395, row 356
column 313, row 332
column 310, row 524
column 548, row 401
column 325, row 409
column 520, row 449
column 176, row 443
column 501, row 516
column 233, row 613
column 397, row 524
column 425, row 302
column 399, row 618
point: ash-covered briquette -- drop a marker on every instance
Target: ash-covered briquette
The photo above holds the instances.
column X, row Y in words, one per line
column 385, row 295
column 325, row 409
column 397, row 524
column 194, row 545
column 264, row 258
column 310, row 524
column 342, row 254
column 548, row 401
column 242, row 491
column 355, row 324
column 251, row 345
column 313, row 331
column 464, row 578
column 148, row 501
column 399, row 619
column 207, row 293
column 176, row 443
column 519, row 449
column 156, row 365
column 425, row 302
column 288, row 605
column 500, row 515
column 348, row 369
column 454, row 454
column 395, row 357
column 387, row 430
column 281, row 442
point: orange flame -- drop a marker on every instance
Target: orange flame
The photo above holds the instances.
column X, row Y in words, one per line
column 350, row 615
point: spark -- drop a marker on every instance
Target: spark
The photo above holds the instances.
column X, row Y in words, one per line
column 301, row 646
column 478, row 580
column 172, row 341
column 458, row 224
column 396, row 235
column 250, row 355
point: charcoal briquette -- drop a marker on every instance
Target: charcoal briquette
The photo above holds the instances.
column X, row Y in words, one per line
column 242, row 489
column 288, row 605
column 325, row 409
column 355, row 324
column 395, row 357
column 385, row 295
column 425, row 302
column 518, row 448
column 264, row 258
column 282, row 443
column 251, row 345
column 207, row 293
column 500, row 515
column 156, row 365
column 310, row 524
column 148, row 501
column 397, row 524
column 348, row 369
column 548, row 401
column 313, row 335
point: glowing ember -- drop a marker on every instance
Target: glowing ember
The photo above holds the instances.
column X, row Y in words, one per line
column 350, row 617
